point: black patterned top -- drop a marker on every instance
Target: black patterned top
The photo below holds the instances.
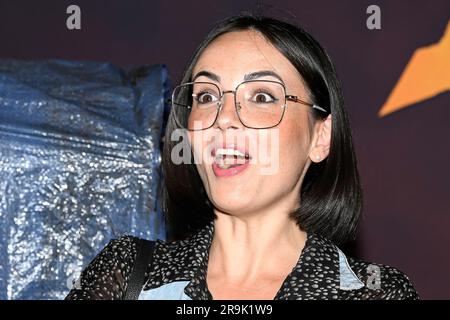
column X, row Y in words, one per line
column 322, row 272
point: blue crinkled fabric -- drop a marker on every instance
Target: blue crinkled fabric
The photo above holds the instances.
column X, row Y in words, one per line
column 79, row 165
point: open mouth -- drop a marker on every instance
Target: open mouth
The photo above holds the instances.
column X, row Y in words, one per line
column 229, row 158
column 229, row 161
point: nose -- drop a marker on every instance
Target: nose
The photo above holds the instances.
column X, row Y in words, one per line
column 227, row 117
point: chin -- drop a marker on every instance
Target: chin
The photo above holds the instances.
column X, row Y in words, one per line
column 231, row 203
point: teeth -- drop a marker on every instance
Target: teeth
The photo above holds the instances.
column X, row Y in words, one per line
column 229, row 152
column 224, row 166
column 226, row 158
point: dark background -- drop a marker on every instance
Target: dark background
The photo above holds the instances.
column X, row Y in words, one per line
column 403, row 157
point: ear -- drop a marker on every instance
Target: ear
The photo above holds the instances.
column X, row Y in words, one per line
column 320, row 147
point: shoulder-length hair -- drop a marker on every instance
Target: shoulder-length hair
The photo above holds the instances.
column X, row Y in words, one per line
column 331, row 194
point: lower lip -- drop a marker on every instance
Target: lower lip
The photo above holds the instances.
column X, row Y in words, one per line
column 219, row 172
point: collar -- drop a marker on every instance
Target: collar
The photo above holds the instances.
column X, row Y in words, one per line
column 185, row 260
column 315, row 276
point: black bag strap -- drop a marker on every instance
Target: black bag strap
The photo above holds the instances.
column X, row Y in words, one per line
column 143, row 259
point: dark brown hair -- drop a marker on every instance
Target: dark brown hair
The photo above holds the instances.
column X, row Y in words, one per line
column 331, row 195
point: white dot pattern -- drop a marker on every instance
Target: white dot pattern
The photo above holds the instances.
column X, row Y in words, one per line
column 315, row 276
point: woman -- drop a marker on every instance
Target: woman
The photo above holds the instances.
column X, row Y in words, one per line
column 274, row 186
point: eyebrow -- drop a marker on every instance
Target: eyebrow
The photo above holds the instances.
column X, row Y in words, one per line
column 262, row 73
column 207, row 74
column 247, row 77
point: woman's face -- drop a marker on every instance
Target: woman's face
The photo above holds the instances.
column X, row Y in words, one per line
column 276, row 158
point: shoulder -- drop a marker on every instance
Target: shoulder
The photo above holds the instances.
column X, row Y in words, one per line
column 381, row 281
column 107, row 274
column 123, row 247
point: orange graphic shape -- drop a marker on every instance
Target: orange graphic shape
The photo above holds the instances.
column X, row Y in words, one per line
column 426, row 75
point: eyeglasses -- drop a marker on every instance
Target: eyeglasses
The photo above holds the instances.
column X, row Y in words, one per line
column 260, row 104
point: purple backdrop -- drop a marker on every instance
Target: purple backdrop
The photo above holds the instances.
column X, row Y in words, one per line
column 403, row 157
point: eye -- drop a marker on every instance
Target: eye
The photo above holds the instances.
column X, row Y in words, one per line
column 205, row 97
column 263, row 97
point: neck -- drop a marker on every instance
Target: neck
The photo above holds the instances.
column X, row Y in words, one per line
column 246, row 249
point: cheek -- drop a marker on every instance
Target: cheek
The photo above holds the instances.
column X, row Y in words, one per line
column 199, row 145
column 294, row 144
